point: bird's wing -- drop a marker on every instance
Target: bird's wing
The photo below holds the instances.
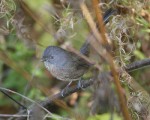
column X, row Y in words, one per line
column 78, row 62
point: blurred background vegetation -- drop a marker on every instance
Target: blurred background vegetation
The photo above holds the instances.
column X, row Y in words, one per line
column 27, row 27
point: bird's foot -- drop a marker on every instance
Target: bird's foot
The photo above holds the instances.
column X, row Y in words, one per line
column 64, row 90
column 80, row 85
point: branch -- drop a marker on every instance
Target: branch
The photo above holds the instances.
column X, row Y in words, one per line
column 138, row 65
column 67, row 92
column 13, row 99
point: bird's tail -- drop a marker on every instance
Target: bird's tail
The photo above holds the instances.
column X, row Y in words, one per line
column 108, row 14
column 85, row 49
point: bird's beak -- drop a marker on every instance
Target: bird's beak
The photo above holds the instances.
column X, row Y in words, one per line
column 42, row 59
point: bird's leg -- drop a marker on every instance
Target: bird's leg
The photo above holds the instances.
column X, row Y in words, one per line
column 62, row 92
column 79, row 85
column 68, row 84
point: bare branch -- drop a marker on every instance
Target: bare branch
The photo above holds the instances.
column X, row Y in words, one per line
column 138, row 65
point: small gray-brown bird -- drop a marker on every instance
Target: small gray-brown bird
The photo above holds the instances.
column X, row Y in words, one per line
column 65, row 65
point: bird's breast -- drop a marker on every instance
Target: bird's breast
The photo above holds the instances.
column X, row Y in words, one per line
column 62, row 73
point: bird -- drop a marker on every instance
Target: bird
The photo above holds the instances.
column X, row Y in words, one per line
column 65, row 65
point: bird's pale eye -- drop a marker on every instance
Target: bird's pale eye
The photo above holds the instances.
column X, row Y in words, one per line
column 51, row 57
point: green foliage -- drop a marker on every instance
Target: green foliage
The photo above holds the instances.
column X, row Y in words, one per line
column 105, row 117
column 143, row 23
column 13, row 80
column 139, row 54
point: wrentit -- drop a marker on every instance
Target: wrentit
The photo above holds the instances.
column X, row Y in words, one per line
column 65, row 65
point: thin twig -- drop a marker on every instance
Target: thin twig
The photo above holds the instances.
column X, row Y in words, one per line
column 13, row 99
column 9, row 115
column 33, row 16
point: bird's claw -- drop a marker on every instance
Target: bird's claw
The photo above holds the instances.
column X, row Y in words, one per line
column 62, row 92
column 79, row 85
